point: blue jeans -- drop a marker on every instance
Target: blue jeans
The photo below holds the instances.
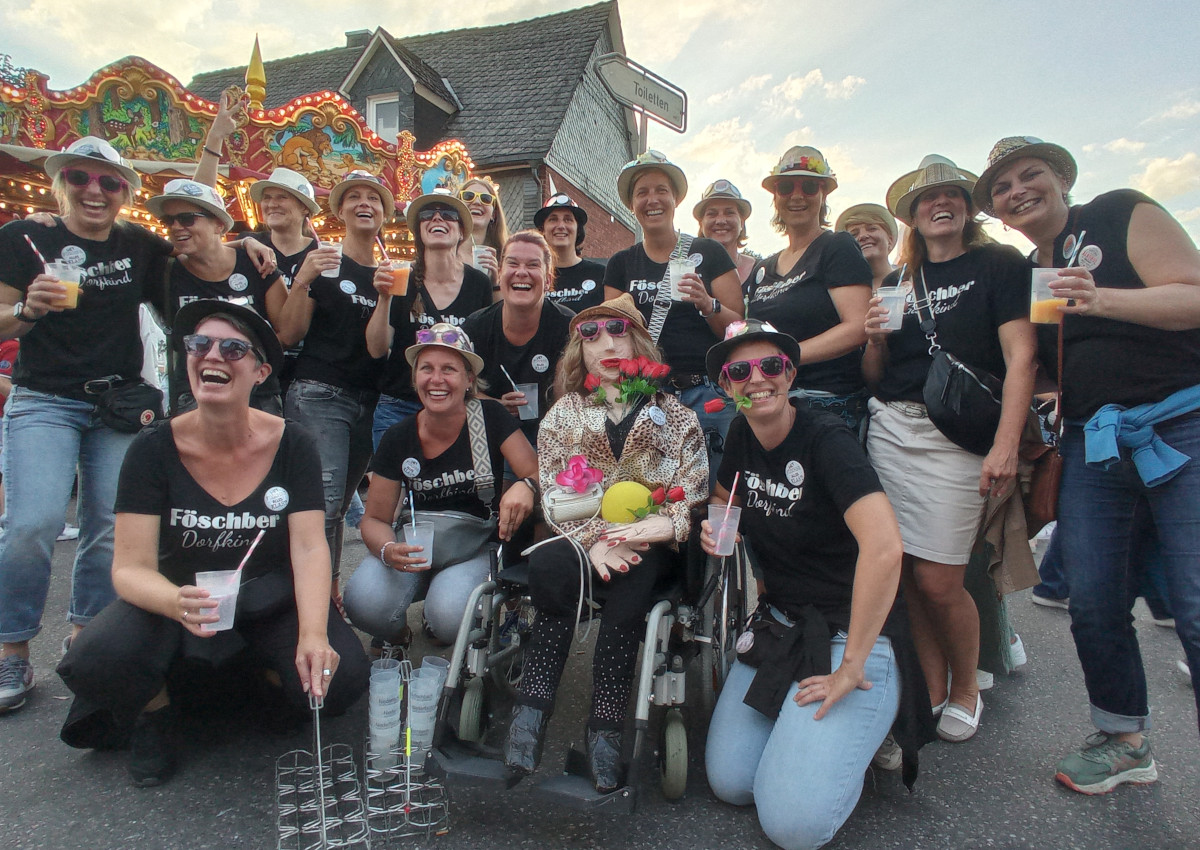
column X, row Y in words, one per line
column 714, row 425
column 388, row 412
column 804, row 775
column 46, row 438
column 340, row 420
column 1098, row 524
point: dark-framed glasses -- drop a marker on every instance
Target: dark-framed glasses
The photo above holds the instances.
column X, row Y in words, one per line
column 198, row 345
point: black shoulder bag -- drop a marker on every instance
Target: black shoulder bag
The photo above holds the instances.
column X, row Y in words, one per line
column 962, row 401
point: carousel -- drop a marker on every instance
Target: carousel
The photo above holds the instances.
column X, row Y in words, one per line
column 160, row 128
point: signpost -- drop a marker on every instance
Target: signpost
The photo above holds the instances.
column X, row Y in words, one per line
column 643, row 91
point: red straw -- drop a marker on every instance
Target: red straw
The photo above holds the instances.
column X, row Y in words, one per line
column 41, row 259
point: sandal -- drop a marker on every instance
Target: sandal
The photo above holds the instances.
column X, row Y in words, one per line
column 957, row 724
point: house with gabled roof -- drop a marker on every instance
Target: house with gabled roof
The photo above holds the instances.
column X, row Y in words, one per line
column 522, row 97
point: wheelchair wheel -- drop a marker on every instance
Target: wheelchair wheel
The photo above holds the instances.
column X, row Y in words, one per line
column 470, row 715
column 673, row 758
column 722, row 617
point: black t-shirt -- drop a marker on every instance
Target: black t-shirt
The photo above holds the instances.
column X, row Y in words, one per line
column 445, row 482
column 686, row 336
column 533, row 362
column 474, row 294
column 794, row 498
column 972, row 296
column 579, row 286
column 288, row 265
column 1106, row 361
column 798, row 303
column 244, row 286
column 335, row 350
column 196, row 531
column 99, row 337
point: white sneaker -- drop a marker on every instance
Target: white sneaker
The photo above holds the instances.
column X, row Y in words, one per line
column 1016, row 651
column 1182, row 667
column 984, row 679
column 69, row 532
column 888, row 756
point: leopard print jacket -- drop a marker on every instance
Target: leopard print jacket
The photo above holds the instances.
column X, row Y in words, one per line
column 668, row 455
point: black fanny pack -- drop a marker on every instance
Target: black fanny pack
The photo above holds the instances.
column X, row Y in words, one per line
column 127, row 406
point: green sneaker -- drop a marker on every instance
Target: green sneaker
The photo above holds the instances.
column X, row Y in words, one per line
column 1105, row 763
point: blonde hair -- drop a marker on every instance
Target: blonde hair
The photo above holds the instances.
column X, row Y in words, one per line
column 497, row 230
column 474, row 384
column 58, row 190
column 571, row 372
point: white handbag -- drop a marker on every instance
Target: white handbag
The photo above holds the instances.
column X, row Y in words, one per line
column 563, row 504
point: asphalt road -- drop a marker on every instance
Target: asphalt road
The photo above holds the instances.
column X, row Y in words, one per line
column 993, row 791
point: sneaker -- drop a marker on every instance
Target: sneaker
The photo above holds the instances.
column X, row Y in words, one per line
column 69, row 532
column 1184, row 670
column 1049, row 601
column 1016, row 651
column 888, row 756
column 984, row 680
column 151, row 759
column 1105, row 763
column 16, row 680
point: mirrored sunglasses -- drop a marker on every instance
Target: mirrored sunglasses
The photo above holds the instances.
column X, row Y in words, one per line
column 450, row 337
column 447, row 213
column 614, row 327
column 198, row 345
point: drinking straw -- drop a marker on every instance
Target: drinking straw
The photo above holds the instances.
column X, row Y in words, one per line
column 382, row 248
column 903, row 269
column 250, row 551
column 1070, row 262
column 41, row 259
column 732, row 493
column 510, row 378
column 412, row 508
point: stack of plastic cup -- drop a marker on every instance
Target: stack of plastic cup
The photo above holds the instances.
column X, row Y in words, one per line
column 440, row 666
column 423, row 691
column 384, row 714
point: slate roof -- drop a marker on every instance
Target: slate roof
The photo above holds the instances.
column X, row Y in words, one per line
column 514, row 80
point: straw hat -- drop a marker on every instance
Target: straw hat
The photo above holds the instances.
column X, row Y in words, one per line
column 438, row 196
column 362, row 178
column 933, row 171
column 92, row 149
column 1013, row 147
column 869, row 212
column 622, row 306
column 722, row 190
column 197, row 194
column 192, row 314
column 743, row 331
column 292, row 182
column 802, row 161
column 650, row 161
column 445, row 335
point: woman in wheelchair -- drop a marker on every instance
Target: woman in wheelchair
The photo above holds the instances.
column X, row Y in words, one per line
column 432, row 454
column 650, row 439
column 816, row 686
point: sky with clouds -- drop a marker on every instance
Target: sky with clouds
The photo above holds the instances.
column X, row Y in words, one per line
column 875, row 84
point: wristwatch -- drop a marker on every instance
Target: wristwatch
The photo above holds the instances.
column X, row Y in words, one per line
column 19, row 314
column 716, row 308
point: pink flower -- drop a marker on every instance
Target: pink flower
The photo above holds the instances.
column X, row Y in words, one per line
column 578, row 475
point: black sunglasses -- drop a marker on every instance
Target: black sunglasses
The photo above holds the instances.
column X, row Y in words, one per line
column 186, row 219
column 807, row 185
column 108, row 183
column 198, row 345
column 771, row 366
column 447, row 213
column 614, row 327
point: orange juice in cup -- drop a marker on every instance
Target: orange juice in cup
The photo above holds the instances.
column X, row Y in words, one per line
column 69, row 276
column 401, row 269
column 1043, row 303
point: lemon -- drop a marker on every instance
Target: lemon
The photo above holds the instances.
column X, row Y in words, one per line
column 622, row 499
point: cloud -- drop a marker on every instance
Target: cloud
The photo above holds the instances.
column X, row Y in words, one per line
column 1165, row 178
column 750, row 84
column 1121, row 145
column 845, row 88
column 1182, row 109
column 1188, row 215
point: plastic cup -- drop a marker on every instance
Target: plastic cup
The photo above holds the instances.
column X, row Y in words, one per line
column 420, row 534
column 1043, row 305
column 529, row 410
column 438, row 665
column 725, row 530
column 676, row 269
column 69, row 276
column 401, row 269
column 478, row 252
column 335, row 271
column 892, row 300
column 223, row 586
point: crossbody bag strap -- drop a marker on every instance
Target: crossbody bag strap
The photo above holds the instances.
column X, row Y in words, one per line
column 1058, row 416
column 928, row 323
column 485, row 481
column 662, row 296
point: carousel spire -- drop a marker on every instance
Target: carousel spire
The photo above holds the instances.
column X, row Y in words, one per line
column 256, row 78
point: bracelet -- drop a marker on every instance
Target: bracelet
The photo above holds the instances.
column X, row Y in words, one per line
column 383, row 551
column 532, row 485
column 209, row 150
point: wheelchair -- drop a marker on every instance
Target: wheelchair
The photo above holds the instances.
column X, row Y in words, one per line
column 694, row 622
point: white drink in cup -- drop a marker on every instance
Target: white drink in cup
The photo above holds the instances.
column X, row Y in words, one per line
column 724, row 528
column 676, row 269
column 891, row 298
column 334, row 272
column 420, row 534
column 478, row 252
column 70, row 277
column 529, row 410
column 223, row 586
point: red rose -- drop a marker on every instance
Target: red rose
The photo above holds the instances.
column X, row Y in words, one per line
column 714, row 405
column 658, row 496
column 591, row 382
column 663, row 370
column 643, row 361
column 628, row 367
column 675, row 494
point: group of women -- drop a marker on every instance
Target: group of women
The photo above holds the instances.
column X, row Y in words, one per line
column 444, row 394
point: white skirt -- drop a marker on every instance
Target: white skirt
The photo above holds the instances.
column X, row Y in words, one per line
column 933, row 484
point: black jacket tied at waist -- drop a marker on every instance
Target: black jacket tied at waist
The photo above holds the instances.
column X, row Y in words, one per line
column 784, row 654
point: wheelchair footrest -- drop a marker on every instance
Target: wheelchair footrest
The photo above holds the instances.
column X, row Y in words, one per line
column 466, row 766
column 573, row 788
